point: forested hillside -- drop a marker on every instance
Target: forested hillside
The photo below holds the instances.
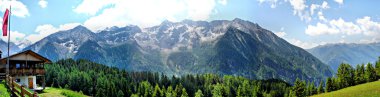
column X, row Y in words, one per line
column 346, row 76
column 101, row 81
column 334, row 54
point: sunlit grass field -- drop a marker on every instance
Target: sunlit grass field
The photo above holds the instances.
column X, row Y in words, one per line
column 371, row 89
column 59, row 92
column 3, row 90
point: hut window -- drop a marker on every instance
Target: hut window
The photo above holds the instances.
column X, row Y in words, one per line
column 18, row 66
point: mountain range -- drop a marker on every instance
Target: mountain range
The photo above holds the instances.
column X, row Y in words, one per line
column 4, row 48
column 235, row 47
column 351, row 53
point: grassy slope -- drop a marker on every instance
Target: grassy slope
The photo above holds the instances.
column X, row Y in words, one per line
column 57, row 92
column 3, row 90
column 371, row 89
column 48, row 92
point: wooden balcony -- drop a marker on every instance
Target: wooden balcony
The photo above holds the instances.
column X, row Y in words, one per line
column 40, row 71
column 27, row 71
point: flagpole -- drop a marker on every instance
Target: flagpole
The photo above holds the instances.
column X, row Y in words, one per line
column 9, row 32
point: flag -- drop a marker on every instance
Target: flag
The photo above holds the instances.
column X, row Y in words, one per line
column 5, row 22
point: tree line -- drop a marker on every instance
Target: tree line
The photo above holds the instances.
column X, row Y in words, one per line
column 102, row 81
column 98, row 80
column 345, row 77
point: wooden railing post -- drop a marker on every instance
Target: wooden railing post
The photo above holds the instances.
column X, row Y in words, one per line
column 22, row 91
column 35, row 94
column 11, row 81
column 7, row 79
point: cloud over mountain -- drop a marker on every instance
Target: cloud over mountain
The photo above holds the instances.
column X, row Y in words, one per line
column 145, row 13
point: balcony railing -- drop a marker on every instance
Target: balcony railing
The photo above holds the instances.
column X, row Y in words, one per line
column 27, row 71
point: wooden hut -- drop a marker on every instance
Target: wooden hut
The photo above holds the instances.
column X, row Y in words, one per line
column 27, row 68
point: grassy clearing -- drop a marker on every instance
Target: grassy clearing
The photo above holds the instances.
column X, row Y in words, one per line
column 371, row 89
column 3, row 89
column 58, row 92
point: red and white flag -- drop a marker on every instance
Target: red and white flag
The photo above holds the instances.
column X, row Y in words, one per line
column 5, row 22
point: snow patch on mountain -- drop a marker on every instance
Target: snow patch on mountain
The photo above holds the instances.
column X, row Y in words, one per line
column 70, row 45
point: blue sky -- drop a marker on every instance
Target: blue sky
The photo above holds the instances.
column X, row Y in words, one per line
column 304, row 23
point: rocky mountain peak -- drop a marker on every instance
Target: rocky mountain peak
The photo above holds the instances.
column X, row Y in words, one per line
column 236, row 47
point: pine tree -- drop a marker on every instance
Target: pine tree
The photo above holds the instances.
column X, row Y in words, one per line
column 292, row 94
column 345, row 75
column 320, row 88
column 184, row 93
column 243, row 90
column 163, row 91
column 178, row 90
column 255, row 91
column 239, row 92
column 146, row 89
column 312, row 88
column 335, row 84
column 308, row 89
column 199, row 93
column 169, row 92
column 370, row 73
column 217, row 91
column 120, row 94
column 157, row 91
column 328, row 85
column 377, row 67
column 299, row 88
column 359, row 74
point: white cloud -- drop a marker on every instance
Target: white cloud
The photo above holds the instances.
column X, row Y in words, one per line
column 339, row 1
column 298, row 6
column 300, row 9
column 312, row 8
column 369, row 27
column 373, row 40
column 273, row 3
column 109, row 13
column 348, row 28
column 325, row 5
column 223, row 2
column 304, row 45
column 48, row 29
column 321, row 17
column 91, row 7
column 319, row 8
column 296, row 42
column 280, row 34
column 306, row 12
column 199, row 9
column 363, row 26
column 43, row 3
column 18, row 8
column 15, row 36
column 320, row 29
column 67, row 26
